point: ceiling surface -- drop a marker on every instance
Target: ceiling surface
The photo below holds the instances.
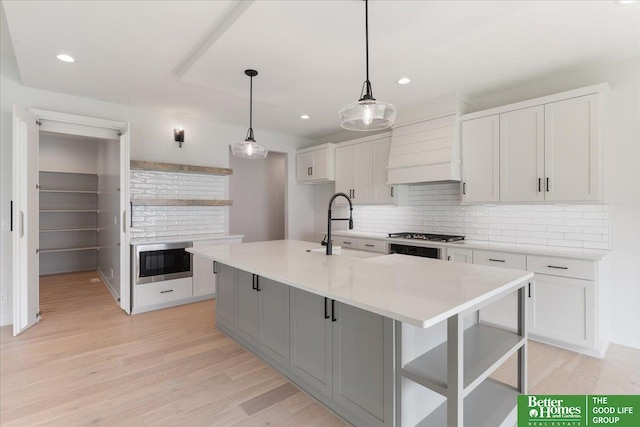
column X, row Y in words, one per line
column 188, row 57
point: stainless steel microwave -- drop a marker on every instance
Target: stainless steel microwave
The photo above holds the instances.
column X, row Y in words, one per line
column 161, row 261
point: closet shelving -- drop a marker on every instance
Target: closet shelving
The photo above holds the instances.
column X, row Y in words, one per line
column 68, row 220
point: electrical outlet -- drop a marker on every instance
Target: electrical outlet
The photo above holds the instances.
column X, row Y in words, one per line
column 3, row 298
column 6, row 224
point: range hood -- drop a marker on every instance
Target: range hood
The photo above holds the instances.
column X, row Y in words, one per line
column 425, row 151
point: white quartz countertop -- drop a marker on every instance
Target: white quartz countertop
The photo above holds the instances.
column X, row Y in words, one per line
column 185, row 238
column 556, row 251
column 415, row 290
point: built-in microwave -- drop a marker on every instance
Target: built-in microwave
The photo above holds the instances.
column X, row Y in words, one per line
column 161, row 261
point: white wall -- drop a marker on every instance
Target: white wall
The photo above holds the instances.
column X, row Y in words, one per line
column 257, row 189
column 206, row 144
column 68, row 153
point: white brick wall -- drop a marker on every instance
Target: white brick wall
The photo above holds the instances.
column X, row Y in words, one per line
column 436, row 208
column 164, row 221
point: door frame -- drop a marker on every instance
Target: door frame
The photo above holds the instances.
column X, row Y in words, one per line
column 53, row 121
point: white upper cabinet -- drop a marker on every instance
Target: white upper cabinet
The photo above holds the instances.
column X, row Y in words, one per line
column 522, row 155
column 543, row 150
column 480, row 160
column 572, row 150
column 361, row 171
column 315, row 164
column 354, row 172
column 382, row 193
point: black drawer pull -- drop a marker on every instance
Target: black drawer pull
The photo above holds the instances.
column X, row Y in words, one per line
column 529, row 290
column 370, row 246
column 539, row 185
column 257, row 283
column 326, row 312
column 333, row 310
column 347, row 243
column 166, row 292
column 253, row 284
column 496, row 260
column 560, row 268
column 215, row 271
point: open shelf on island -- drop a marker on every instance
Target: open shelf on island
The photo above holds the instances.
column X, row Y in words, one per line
column 491, row 404
column 485, row 348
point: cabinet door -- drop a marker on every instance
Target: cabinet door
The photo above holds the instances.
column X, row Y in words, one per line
column 274, row 320
column 319, row 164
column 460, row 255
column 226, row 296
column 382, row 193
column 480, row 160
column 362, row 176
column 246, row 307
column 362, row 363
column 311, row 340
column 522, row 155
column 572, row 150
column 304, row 163
column 344, row 176
column 562, row 309
column 204, row 280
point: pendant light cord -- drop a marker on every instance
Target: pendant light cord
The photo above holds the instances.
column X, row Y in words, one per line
column 250, row 136
column 367, row 91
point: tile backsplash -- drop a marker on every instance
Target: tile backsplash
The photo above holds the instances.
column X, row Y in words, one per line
column 436, row 208
column 167, row 221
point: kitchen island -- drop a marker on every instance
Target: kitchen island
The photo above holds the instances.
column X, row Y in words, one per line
column 386, row 340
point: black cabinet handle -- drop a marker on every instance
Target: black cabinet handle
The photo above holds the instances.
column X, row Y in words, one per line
column 11, row 214
column 214, row 268
column 131, row 214
column 547, row 184
column 464, row 188
column 311, row 171
column 496, row 260
column 529, row 289
column 166, row 292
column 326, row 311
column 333, row 310
column 392, row 192
column 539, row 185
column 449, row 258
column 253, row 284
column 558, row 267
column 369, row 246
column 344, row 242
column 257, row 283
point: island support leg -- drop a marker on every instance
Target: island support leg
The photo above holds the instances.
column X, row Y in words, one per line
column 522, row 331
column 455, row 371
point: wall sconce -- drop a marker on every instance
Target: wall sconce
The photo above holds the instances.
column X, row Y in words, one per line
column 178, row 135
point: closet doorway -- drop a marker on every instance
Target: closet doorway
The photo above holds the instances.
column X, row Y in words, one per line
column 70, row 203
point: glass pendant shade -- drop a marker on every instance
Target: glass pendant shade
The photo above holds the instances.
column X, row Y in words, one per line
column 366, row 115
column 249, row 150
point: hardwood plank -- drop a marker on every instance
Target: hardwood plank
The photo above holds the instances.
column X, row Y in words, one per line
column 265, row 400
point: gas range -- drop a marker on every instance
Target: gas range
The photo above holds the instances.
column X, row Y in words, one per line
column 427, row 236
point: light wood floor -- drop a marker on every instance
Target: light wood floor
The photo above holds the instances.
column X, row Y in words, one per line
column 87, row 363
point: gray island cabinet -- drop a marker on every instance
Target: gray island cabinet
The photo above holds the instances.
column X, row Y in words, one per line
column 390, row 340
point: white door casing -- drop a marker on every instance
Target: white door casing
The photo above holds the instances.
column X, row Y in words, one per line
column 26, row 304
column 125, row 249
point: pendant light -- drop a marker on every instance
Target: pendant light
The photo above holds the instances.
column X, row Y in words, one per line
column 249, row 149
column 367, row 113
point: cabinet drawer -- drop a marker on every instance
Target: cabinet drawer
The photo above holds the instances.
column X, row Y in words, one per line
column 371, row 245
column 500, row 259
column 345, row 242
column 561, row 267
column 162, row 292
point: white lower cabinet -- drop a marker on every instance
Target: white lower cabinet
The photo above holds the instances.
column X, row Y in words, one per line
column 562, row 309
column 161, row 293
column 460, row 255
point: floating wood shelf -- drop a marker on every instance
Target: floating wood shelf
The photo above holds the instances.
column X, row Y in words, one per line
column 174, row 167
column 180, row 202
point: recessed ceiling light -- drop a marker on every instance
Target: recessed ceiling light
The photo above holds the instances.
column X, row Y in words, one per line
column 304, row 117
column 65, row 58
column 404, row 81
